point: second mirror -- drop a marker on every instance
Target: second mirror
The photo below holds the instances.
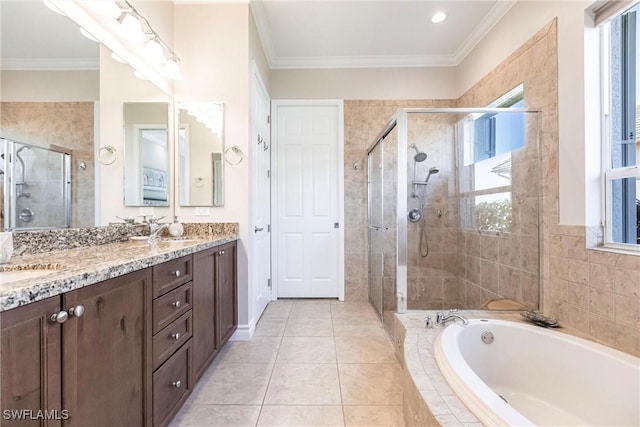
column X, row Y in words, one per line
column 200, row 154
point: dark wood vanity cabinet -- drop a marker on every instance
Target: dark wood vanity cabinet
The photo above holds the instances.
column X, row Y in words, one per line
column 30, row 368
column 81, row 357
column 226, row 293
column 106, row 353
column 215, row 303
column 123, row 352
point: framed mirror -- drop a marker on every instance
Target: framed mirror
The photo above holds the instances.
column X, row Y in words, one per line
column 146, row 153
column 200, row 159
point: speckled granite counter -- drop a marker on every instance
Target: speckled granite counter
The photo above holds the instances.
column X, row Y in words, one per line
column 76, row 268
column 427, row 398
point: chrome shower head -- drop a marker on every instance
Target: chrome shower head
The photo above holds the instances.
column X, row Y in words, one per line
column 419, row 156
column 432, row 171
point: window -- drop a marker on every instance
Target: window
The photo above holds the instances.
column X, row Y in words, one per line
column 622, row 129
column 487, row 143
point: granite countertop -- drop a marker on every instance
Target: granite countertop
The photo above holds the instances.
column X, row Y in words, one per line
column 79, row 267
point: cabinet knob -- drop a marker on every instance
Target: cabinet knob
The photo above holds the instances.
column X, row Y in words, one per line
column 175, row 304
column 176, row 336
column 76, row 311
column 221, row 252
column 176, row 384
column 59, row 317
column 176, row 273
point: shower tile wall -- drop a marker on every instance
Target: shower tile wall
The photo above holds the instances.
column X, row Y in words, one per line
column 363, row 120
column 66, row 124
column 433, row 281
column 594, row 291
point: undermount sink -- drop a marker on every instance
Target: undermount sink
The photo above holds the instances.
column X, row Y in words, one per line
column 12, row 273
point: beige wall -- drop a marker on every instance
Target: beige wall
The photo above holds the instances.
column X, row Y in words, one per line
column 50, row 86
column 365, row 83
column 215, row 69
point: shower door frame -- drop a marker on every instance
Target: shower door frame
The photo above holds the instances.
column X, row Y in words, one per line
column 9, row 196
column 400, row 120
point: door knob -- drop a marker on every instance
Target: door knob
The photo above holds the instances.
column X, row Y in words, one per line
column 59, row 317
column 256, row 229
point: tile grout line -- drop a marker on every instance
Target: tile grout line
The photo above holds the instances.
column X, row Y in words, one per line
column 344, row 416
column 272, row 369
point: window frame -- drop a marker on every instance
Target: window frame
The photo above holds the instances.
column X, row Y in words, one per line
column 628, row 105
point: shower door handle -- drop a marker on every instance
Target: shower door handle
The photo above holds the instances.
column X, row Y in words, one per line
column 373, row 227
column 256, row 229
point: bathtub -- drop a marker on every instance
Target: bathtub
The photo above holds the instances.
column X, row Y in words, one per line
column 532, row 376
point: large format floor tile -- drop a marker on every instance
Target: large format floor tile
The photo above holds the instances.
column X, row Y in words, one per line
column 310, row 363
column 304, row 385
column 296, row 416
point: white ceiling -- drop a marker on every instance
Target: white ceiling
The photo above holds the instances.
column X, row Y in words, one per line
column 372, row 33
column 34, row 38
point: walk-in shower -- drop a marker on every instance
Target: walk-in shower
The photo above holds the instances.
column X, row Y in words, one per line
column 36, row 186
column 453, row 210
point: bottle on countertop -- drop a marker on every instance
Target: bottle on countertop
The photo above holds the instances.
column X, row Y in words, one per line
column 176, row 229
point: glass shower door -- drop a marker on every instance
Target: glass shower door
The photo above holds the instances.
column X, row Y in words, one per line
column 376, row 227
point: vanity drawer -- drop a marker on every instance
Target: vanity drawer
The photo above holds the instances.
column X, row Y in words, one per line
column 171, row 274
column 171, row 385
column 170, row 306
column 171, row 338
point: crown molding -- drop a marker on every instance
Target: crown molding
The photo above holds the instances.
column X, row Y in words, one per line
column 494, row 16
column 381, row 61
column 49, row 64
column 497, row 12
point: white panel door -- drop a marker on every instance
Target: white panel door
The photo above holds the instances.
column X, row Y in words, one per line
column 261, row 195
column 308, row 165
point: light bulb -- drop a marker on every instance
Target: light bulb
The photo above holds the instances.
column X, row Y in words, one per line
column 88, row 35
column 105, row 7
column 438, row 17
column 172, row 69
column 132, row 28
column 153, row 51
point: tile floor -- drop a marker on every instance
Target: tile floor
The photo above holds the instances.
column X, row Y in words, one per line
column 310, row 363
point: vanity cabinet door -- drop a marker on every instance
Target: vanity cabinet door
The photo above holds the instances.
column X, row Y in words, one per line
column 107, row 352
column 226, row 292
column 204, row 310
column 30, row 370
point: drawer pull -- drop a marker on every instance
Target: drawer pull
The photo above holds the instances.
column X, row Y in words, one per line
column 175, row 304
column 176, row 384
column 176, row 336
column 176, row 273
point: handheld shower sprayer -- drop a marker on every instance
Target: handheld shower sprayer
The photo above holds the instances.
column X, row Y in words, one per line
column 432, row 171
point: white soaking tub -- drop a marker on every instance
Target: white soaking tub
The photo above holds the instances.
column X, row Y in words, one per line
column 532, row 376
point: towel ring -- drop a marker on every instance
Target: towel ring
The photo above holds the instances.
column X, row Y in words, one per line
column 108, row 149
column 237, row 151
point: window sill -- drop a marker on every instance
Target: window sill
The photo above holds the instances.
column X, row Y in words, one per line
column 615, row 250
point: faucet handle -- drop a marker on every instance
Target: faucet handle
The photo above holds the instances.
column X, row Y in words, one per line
column 453, row 310
column 428, row 322
column 152, row 219
column 439, row 317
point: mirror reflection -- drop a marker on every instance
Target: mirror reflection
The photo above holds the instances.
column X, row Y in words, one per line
column 50, row 85
column 200, row 154
column 146, row 153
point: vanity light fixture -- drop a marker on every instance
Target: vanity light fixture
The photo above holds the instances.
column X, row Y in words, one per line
column 139, row 75
column 106, row 8
column 132, row 28
column 438, row 17
column 153, row 51
column 172, row 69
column 117, row 58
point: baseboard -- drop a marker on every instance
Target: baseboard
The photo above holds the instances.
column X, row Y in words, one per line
column 244, row 332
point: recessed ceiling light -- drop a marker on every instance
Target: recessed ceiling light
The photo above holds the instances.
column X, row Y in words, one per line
column 438, row 17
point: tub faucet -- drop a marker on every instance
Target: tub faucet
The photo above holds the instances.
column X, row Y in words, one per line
column 442, row 319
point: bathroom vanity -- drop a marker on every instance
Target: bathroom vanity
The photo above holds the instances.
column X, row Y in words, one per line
column 123, row 351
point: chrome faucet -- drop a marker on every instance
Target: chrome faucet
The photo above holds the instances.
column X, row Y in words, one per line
column 442, row 319
column 154, row 227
